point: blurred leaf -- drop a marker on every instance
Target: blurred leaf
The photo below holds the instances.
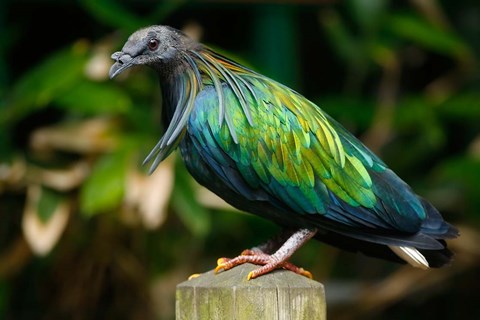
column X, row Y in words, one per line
column 164, row 8
column 464, row 105
column 464, row 171
column 48, row 203
column 93, row 135
column 114, row 14
column 194, row 216
column 142, row 193
column 44, row 218
column 455, row 169
column 343, row 42
column 415, row 113
column 62, row 179
column 367, row 12
column 105, row 187
column 50, row 79
column 92, row 98
column 420, row 31
column 413, row 110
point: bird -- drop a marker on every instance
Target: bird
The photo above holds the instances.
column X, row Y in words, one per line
column 267, row 150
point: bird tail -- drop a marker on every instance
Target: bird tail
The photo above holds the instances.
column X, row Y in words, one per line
column 435, row 227
column 423, row 259
column 412, row 256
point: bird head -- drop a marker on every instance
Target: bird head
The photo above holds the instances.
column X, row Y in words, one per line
column 155, row 46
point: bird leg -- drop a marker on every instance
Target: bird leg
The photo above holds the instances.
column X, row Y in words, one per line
column 271, row 245
column 273, row 261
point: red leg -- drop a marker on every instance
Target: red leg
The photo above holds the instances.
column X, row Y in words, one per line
column 270, row 262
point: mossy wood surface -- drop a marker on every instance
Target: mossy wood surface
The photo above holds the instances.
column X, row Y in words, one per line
column 228, row 295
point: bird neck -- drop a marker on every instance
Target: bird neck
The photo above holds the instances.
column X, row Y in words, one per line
column 179, row 88
column 182, row 82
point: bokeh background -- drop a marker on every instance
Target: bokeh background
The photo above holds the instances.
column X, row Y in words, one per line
column 85, row 233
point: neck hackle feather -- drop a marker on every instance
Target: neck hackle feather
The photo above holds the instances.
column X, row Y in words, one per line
column 204, row 67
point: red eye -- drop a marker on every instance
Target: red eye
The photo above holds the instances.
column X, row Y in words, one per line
column 153, row 44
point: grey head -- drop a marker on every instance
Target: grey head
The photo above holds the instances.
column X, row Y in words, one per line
column 155, row 46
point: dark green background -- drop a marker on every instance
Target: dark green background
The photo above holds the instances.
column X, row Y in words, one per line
column 401, row 75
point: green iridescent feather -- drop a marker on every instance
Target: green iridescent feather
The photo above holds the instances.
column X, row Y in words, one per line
column 266, row 149
column 282, row 143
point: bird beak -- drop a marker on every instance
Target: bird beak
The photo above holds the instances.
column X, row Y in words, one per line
column 123, row 61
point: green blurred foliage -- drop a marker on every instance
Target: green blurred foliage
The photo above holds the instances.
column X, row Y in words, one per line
column 402, row 76
column 103, row 190
column 48, row 203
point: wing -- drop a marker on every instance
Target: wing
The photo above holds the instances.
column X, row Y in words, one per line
column 288, row 148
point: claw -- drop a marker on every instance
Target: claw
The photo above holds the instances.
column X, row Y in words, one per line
column 305, row 273
column 195, row 275
column 221, row 265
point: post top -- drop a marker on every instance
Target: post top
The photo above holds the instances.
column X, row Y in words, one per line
column 237, row 277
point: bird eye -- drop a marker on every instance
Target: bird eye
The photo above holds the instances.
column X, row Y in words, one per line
column 153, row 44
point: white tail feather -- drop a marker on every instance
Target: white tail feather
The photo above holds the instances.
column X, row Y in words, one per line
column 412, row 256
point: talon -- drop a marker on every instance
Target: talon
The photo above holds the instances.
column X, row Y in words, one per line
column 195, row 275
column 250, row 275
column 305, row 273
column 218, row 269
column 221, row 263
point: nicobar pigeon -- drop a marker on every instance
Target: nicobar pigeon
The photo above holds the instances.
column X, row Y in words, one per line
column 267, row 150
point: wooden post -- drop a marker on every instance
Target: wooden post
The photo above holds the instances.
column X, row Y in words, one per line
column 278, row 295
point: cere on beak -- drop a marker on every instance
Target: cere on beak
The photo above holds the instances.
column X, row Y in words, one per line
column 123, row 61
column 115, row 56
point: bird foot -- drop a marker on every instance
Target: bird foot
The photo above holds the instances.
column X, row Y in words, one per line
column 268, row 263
